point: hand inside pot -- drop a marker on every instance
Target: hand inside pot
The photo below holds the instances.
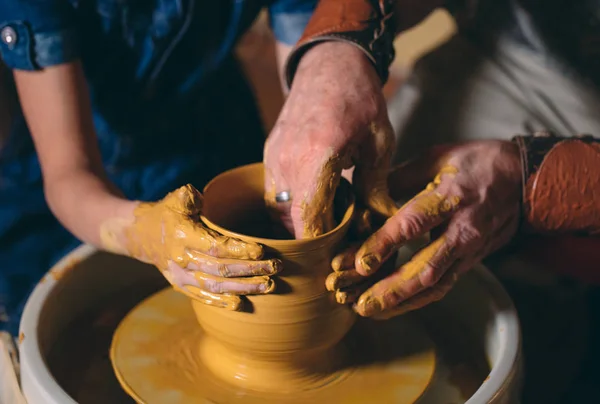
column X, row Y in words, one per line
column 197, row 261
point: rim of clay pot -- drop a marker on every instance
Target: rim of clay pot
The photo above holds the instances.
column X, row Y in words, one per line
column 304, row 242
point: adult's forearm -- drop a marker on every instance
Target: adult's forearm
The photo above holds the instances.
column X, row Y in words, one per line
column 369, row 25
column 365, row 24
column 561, row 183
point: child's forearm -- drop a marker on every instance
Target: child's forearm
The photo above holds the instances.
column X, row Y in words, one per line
column 56, row 105
column 89, row 208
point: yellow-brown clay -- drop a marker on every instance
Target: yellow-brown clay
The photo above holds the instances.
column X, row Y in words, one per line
column 350, row 295
column 221, row 300
column 373, row 300
column 317, row 213
column 165, row 231
column 283, row 347
column 155, row 355
column 266, row 284
column 282, row 341
column 170, row 232
column 342, row 279
column 430, row 202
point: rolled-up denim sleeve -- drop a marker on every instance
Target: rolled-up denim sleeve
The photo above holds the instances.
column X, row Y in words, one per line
column 289, row 18
column 37, row 33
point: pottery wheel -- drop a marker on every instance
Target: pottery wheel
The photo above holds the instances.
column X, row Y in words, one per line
column 154, row 354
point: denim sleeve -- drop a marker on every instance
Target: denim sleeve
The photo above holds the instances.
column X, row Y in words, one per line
column 289, row 18
column 37, row 33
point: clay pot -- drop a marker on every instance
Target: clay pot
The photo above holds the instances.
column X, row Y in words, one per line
column 286, row 341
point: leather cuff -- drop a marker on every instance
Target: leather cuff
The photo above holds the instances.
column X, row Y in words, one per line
column 561, row 183
column 366, row 24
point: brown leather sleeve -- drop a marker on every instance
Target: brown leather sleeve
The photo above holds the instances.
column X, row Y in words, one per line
column 367, row 24
column 561, row 183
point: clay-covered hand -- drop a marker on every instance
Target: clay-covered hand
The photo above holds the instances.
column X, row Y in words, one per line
column 196, row 260
column 471, row 208
column 334, row 118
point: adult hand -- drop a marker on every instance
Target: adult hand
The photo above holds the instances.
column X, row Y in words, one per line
column 196, row 260
column 335, row 117
column 472, row 206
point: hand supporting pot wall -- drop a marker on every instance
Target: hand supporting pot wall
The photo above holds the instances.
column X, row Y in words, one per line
column 480, row 194
column 199, row 262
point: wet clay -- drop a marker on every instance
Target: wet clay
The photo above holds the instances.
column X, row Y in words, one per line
column 428, row 202
column 286, row 341
column 155, row 355
column 170, row 232
column 374, row 301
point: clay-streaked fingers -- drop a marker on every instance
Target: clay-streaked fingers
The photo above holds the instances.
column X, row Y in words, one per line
column 350, row 295
column 419, row 215
column 313, row 215
column 424, row 298
column 227, row 247
column 224, row 301
column 345, row 259
column 231, row 268
column 343, row 279
column 372, row 169
column 255, row 285
column 423, row 271
column 186, row 200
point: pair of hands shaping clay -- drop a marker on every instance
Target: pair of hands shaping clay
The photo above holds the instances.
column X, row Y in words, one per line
column 473, row 202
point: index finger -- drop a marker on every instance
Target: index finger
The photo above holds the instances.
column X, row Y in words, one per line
column 316, row 208
column 372, row 169
column 425, row 211
column 422, row 272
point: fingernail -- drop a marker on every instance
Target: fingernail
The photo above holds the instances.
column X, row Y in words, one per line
column 267, row 287
column 369, row 263
column 336, row 263
column 341, row 297
column 367, row 306
column 347, row 296
column 254, row 252
column 275, row 267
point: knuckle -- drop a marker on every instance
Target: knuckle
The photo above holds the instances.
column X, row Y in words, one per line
column 214, row 287
column 223, row 270
column 469, row 233
column 430, row 275
column 285, row 160
column 438, row 294
column 395, row 296
column 407, row 225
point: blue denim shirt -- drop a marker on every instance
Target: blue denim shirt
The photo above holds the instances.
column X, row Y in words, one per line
column 48, row 32
column 170, row 106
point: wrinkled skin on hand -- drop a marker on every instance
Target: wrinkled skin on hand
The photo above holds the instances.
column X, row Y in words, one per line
column 471, row 208
column 333, row 119
column 196, row 260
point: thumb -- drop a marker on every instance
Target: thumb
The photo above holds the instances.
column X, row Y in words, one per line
column 313, row 215
column 186, row 200
column 372, row 170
